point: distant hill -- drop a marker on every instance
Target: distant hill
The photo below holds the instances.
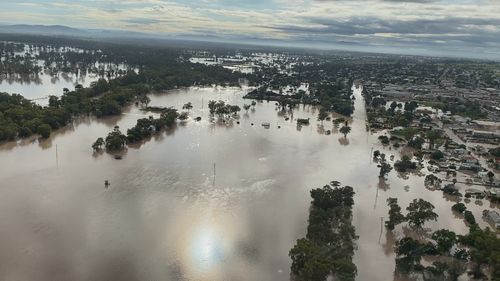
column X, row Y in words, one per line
column 41, row 29
column 61, row 30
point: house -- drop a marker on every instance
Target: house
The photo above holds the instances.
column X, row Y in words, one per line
column 495, row 192
column 468, row 159
column 472, row 192
column 470, row 167
column 493, row 217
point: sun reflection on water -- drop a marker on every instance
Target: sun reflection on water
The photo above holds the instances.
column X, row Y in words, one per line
column 206, row 251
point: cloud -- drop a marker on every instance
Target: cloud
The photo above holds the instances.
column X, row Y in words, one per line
column 405, row 23
column 140, row 21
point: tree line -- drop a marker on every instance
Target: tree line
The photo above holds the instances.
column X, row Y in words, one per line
column 328, row 247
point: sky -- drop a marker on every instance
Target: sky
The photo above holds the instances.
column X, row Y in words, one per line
column 455, row 27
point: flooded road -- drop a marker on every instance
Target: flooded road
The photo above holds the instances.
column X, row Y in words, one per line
column 168, row 216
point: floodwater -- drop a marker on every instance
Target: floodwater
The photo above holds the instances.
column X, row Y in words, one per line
column 38, row 88
column 204, row 201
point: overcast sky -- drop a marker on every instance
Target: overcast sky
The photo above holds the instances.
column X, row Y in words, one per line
column 420, row 26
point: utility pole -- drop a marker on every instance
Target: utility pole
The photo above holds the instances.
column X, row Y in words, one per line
column 381, row 228
column 214, row 175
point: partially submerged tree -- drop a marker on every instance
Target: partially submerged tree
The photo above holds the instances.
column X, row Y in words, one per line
column 115, row 140
column 188, row 106
column 445, row 239
column 385, row 168
column 420, row 211
column 395, row 215
column 345, row 129
column 322, row 115
column 98, row 144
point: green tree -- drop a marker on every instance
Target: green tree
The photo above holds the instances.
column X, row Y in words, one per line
column 395, row 215
column 445, row 239
column 491, row 177
column 409, row 253
column 345, row 130
column 432, row 180
column 183, row 116
column 385, row 168
column 144, row 100
column 212, row 106
column 98, row 144
column 410, row 106
column 420, row 211
column 405, row 164
column 459, row 208
column 44, row 130
column 469, row 217
column 115, row 140
column 322, row 115
column 432, row 136
column 437, row 155
column 188, row 106
column 394, row 105
column 416, row 142
column 308, row 263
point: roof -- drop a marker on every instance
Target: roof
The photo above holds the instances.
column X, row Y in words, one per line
column 473, row 190
column 494, row 216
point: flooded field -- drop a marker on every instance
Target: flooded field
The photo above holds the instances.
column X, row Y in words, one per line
column 204, row 201
column 39, row 87
column 52, row 76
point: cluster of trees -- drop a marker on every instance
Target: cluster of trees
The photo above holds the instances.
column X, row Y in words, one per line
column 419, row 211
column 484, row 251
column 437, row 155
column 328, row 247
column 252, row 105
column 331, row 96
column 302, row 121
column 480, row 248
column 465, row 108
column 405, row 164
column 391, row 117
column 432, row 181
column 410, row 251
column 416, row 142
column 468, row 215
column 21, row 118
column 114, row 141
column 495, row 152
column 385, row 168
column 144, row 129
column 484, row 245
column 449, row 265
column 450, row 189
column 16, row 64
column 335, row 97
column 221, row 109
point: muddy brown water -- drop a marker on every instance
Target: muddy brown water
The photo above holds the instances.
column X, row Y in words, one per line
column 165, row 217
column 38, row 88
